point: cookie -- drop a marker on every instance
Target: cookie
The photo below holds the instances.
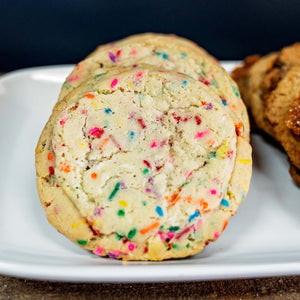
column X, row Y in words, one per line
column 169, row 52
column 142, row 163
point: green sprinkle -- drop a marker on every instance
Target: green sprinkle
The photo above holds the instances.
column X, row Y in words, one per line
column 67, row 85
column 97, row 77
column 144, row 203
column 174, row 228
column 202, row 73
column 132, row 233
column 187, row 245
column 236, row 91
column 161, row 227
column 186, row 183
column 121, row 212
column 145, row 171
column 214, row 83
column 212, row 155
column 175, row 246
column 82, row 242
column 119, row 236
column 115, row 190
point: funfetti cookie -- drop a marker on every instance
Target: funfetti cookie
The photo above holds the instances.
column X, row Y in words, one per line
column 142, row 163
column 169, row 52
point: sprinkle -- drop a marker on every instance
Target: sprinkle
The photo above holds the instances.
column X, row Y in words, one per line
column 123, row 203
column 144, row 203
column 115, row 254
column 184, row 83
column 174, row 228
column 50, row 156
column 179, row 235
column 90, row 96
column 104, row 142
column 146, row 162
column 165, row 56
column 153, row 144
column 194, row 215
column 140, row 74
column 119, row 236
column 213, row 192
column 183, row 55
column 82, row 242
column 98, row 251
column 121, row 212
column 224, row 102
column 114, row 82
column 159, row 211
column 132, row 233
column 201, row 134
column 187, row 245
column 131, row 134
column 149, row 228
column 112, row 57
column 97, row 212
column 170, row 234
column 63, row 121
column 212, row 155
column 98, row 76
column 204, row 80
column 244, row 161
column 174, row 198
column 230, row 153
column 224, row 202
column 176, row 117
column 108, row 111
column 198, row 120
column 65, row 168
column 131, row 247
column 148, row 190
column 133, row 52
column 73, row 78
column 115, row 142
column 225, row 224
column 216, row 234
column 209, row 106
column 175, row 246
column 145, row 171
column 236, row 91
column 95, row 104
column 94, row 175
column 239, row 129
column 222, row 151
column 115, row 190
column 141, row 122
column 96, row 132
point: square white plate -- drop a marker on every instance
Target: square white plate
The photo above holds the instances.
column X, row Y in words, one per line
column 263, row 239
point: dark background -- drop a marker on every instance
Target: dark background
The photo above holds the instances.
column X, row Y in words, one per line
column 42, row 32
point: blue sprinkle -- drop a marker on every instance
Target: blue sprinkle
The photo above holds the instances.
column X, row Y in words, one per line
column 224, row 102
column 159, row 211
column 184, row 83
column 158, row 53
column 131, row 134
column 194, row 215
column 165, row 56
column 108, row 111
column 183, row 54
column 224, row 202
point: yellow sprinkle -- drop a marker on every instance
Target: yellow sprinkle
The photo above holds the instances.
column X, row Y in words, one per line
column 38, row 149
column 130, row 84
column 44, row 174
column 96, row 223
column 74, row 225
column 245, row 161
column 221, row 152
column 82, row 144
column 95, row 104
column 123, row 203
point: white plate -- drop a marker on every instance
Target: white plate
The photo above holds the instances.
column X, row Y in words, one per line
column 263, row 239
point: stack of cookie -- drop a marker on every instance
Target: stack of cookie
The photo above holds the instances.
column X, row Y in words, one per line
column 146, row 154
column 270, row 86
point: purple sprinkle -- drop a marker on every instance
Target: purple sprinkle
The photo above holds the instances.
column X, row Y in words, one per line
column 112, row 255
column 134, row 66
column 209, row 106
column 150, row 180
column 98, row 211
column 123, row 186
column 148, row 190
column 112, row 57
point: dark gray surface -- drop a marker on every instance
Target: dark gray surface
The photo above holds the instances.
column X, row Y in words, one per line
column 35, row 32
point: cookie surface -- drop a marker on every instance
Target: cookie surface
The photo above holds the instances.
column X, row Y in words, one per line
column 142, row 164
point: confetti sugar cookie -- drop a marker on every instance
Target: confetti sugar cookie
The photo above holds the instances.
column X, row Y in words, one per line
column 142, row 163
column 169, row 52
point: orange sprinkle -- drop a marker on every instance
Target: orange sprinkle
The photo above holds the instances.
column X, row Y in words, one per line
column 175, row 197
column 188, row 199
column 149, row 228
column 225, row 224
column 210, row 142
column 206, row 211
column 103, row 143
column 65, row 168
column 166, row 197
column 234, row 106
column 50, row 156
column 203, row 102
column 90, row 96
column 94, row 175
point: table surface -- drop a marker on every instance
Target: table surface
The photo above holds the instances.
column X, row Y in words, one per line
column 263, row 288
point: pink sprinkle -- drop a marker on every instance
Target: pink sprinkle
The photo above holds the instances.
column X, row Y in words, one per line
column 201, row 134
column 163, row 143
column 213, row 192
column 98, row 211
column 131, row 247
column 73, row 78
column 189, row 174
column 199, row 224
column 84, row 111
column 115, row 142
column 216, row 234
column 63, row 121
column 96, row 132
column 133, row 52
column 99, row 251
column 148, row 190
column 140, row 74
column 153, row 145
column 114, row 82
column 170, row 234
